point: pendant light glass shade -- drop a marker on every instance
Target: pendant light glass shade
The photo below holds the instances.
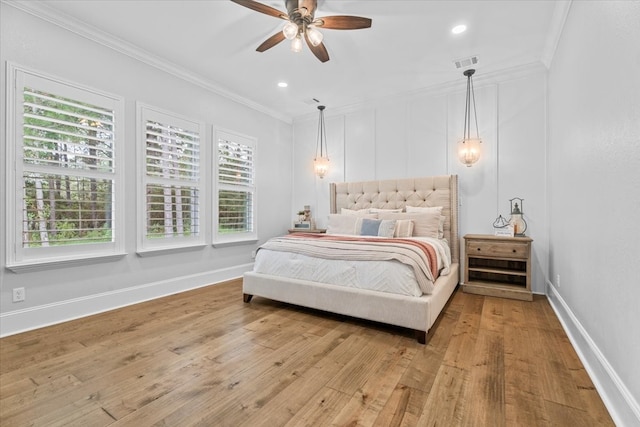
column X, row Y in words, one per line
column 469, row 148
column 321, row 161
column 469, row 151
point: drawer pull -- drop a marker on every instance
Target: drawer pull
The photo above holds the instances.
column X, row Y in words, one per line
column 514, row 251
column 478, row 249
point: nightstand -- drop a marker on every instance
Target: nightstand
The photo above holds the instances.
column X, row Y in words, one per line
column 498, row 266
column 307, row 230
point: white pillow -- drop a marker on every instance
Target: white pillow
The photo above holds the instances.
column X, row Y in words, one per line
column 345, row 224
column 422, row 209
column 377, row 210
column 364, row 213
column 425, row 224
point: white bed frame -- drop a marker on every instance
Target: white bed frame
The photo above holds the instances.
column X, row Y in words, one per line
column 417, row 313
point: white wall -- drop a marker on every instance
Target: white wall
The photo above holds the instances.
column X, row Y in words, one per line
column 416, row 134
column 61, row 293
column 594, row 195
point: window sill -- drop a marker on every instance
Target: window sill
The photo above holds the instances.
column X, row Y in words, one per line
column 41, row 265
column 236, row 242
column 143, row 253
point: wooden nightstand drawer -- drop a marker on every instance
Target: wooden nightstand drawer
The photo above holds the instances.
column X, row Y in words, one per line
column 498, row 249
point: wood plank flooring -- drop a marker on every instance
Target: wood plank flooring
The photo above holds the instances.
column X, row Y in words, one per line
column 206, row 358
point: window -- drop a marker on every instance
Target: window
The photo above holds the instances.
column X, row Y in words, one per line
column 171, row 184
column 64, row 192
column 236, row 187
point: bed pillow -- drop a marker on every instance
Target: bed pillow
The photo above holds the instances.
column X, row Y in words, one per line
column 377, row 227
column 425, row 224
column 364, row 213
column 422, row 209
column 378, row 210
column 404, row 228
column 342, row 224
column 345, row 224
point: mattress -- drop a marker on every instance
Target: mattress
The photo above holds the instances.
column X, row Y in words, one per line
column 383, row 276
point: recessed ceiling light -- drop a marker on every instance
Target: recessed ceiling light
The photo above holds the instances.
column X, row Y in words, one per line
column 459, row 29
column 283, row 84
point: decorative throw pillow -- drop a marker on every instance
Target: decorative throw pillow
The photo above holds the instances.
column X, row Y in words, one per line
column 403, row 228
column 387, row 228
column 370, row 227
column 377, row 227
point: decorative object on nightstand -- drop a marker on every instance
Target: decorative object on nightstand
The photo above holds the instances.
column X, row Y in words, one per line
column 517, row 216
column 305, row 221
column 502, row 227
column 498, row 266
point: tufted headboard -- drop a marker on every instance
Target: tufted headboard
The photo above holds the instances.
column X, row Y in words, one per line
column 398, row 193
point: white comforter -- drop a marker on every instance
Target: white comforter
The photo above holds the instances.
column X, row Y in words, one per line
column 385, row 276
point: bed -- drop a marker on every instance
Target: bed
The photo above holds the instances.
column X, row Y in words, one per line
column 416, row 312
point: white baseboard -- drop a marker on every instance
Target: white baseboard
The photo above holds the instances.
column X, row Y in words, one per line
column 622, row 406
column 18, row 321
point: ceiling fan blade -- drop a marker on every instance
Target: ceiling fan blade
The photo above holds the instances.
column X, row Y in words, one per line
column 271, row 42
column 262, row 8
column 319, row 51
column 343, row 22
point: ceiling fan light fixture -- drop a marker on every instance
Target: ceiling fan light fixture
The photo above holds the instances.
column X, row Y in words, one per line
column 296, row 44
column 315, row 36
column 290, row 30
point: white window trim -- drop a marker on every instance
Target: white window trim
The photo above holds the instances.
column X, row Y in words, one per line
column 147, row 247
column 20, row 259
column 223, row 240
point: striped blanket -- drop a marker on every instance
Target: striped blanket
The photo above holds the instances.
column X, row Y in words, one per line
column 421, row 256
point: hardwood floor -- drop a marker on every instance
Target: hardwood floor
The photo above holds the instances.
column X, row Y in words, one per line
column 206, row 358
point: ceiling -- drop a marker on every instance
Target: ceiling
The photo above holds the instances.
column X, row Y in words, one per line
column 409, row 46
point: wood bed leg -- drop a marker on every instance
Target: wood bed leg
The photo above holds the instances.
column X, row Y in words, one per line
column 247, row 297
column 421, row 336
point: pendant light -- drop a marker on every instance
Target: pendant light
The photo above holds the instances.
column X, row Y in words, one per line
column 468, row 147
column 321, row 161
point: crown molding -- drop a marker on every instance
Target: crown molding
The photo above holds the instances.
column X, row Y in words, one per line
column 479, row 80
column 560, row 13
column 41, row 10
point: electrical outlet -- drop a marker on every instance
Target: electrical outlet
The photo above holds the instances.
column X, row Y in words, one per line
column 557, row 280
column 18, row 294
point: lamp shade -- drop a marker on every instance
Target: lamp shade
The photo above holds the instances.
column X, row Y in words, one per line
column 321, row 166
column 290, row 30
column 469, row 151
column 315, row 36
column 296, row 44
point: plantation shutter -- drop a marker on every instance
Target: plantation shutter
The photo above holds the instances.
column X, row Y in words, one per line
column 172, row 178
column 67, row 170
column 236, row 186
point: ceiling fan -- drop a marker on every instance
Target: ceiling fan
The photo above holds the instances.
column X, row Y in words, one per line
column 302, row 23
